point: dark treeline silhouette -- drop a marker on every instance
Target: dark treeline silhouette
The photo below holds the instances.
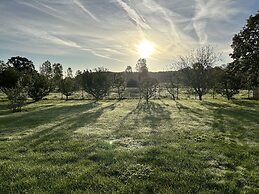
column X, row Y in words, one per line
column 197, row 74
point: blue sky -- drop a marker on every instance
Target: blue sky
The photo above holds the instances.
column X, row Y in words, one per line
column 89, row 33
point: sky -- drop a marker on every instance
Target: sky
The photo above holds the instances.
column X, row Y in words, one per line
column 84, row 34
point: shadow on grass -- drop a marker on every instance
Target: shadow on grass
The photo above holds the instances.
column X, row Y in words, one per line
column 17, row 123
column 241, row 121
column 246, row 103
column 244, row 112
column 64, row 130
column 4, row 109
column 193, row 113
column 154, row 115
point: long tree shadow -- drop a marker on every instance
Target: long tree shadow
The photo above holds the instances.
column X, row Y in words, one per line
column 12, row 124
column 64, row 130
column 194, row 113
column 241, row 121
column 153, row 115
column 243, row 112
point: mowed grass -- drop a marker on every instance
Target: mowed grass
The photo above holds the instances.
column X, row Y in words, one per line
column 125, row 146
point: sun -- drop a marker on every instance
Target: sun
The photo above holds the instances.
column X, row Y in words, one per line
column 146, row 49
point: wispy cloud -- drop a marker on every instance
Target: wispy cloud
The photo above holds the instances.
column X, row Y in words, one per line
column 83, row 8
column 99, row 31
column 133, row 15
column 211, row 11
column 50, row 11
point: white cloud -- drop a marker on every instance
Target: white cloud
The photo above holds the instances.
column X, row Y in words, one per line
column 133, row 15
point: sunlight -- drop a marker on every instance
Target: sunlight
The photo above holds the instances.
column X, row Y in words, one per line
column 146, row 48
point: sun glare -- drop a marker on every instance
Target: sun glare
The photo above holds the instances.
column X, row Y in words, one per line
column 146, row 48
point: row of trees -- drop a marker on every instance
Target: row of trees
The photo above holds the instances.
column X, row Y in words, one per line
column 19, row 79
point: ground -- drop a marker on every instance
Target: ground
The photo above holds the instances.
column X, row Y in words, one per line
column 184, row 146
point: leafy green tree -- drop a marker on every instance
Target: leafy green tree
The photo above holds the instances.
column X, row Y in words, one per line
column 46, row 69
column 246, row 51
column 96, row 83
column 13, row 85
column 57, row 74
column 229, row 84
column 67, row 87
column 215, row 78
column 15, row 79
column 40, row 86
column 3, row 66
column 21, row 64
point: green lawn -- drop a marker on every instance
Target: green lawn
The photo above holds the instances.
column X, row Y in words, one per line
column 126, row 146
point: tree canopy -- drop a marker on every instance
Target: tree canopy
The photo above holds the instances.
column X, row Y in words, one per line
column 246, row 51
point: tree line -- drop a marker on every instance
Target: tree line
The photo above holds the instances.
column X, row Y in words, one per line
column 196, row 71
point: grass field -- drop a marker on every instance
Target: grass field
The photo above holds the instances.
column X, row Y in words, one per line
column 126, row 146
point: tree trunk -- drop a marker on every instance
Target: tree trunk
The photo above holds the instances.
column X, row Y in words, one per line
column 66, row 98
column 256, row 93
column 200, row 96
column 82, row 94
column 228, row 96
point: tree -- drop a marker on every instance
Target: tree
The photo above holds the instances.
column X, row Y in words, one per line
column 141, row 67
column 229, row 84
column 79, row 82
column 128, row 69
column 21, row 64
column 15, row 79
column 172, row 85
column 12, row 83
column 40, row 86
column 69, row 72
column 173, row 89
column 195, row 68
column 67, row 87
column 148, row 88
column 3, row 66
column 119, row 83
column 215, row 78
column 246, row 51
column 46, row 69
column 57, row 74
column 96, row 83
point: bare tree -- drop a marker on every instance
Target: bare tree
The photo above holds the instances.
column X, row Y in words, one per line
column 119, row 83
column 148, row 88
column 173, row 89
